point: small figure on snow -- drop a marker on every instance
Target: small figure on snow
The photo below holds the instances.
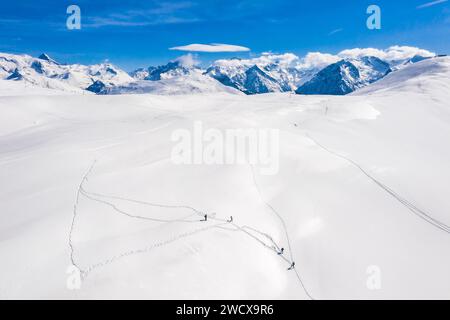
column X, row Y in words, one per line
column 230, row 220
column 292, row 266
column 205, row 217
column 281, row 251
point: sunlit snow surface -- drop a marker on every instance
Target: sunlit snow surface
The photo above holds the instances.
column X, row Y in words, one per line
column 363, row 183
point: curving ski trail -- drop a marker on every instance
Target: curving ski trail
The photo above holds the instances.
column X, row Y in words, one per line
column 410, row 206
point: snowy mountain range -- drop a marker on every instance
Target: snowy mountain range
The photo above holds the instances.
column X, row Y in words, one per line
column 253, row 77
column 173, row 82
column 47, row 73
column 316, row 73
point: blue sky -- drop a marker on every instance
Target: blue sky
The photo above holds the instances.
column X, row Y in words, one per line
column 138, row 33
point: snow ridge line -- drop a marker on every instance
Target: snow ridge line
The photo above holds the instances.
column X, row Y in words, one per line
column 410, row 206
column 283, row 223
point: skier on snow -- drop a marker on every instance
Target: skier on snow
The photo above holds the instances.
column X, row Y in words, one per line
column 292, row 266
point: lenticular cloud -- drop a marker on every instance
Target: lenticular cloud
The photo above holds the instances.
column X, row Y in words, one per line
column 214, row 47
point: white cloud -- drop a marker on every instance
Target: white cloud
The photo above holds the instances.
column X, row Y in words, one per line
column 405, row 52
column 188, row 60
column 266, row 58
column 286, row 59
column 319, row 60
column 430, row 4
column 214, row 47
column 313, row 60
column 361, row 52
column 390, row 54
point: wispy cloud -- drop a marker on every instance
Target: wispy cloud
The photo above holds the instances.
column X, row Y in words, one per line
column 335, row 31
column 97, row 22
column 389, row 54
column 164, row 13
column 188, row 60
column 170, row 7
column 430, row 4
column 214, row 47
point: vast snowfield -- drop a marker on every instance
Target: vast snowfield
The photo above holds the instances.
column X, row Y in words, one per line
column 363, row 185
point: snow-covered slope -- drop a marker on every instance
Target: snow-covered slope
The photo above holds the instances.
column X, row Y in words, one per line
column 22, row 88
column 430, row 72
column 46, row 73
column 360, row 201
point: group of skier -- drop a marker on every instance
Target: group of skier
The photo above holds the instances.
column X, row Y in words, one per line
column 292, row 266
column 205, row 218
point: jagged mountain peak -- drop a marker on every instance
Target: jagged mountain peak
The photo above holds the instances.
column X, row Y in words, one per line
column 250, row 79
column 46, row 57
column 97, row 87
column 171, row 69
column 346, row 76
column 416, row 58
column 15, row 75
column 255, row 69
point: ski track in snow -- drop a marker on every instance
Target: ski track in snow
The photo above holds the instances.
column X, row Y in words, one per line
column 249, row 231
column 410, row 206
column 74, row 216
column 283, row 223
column 146, row 249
